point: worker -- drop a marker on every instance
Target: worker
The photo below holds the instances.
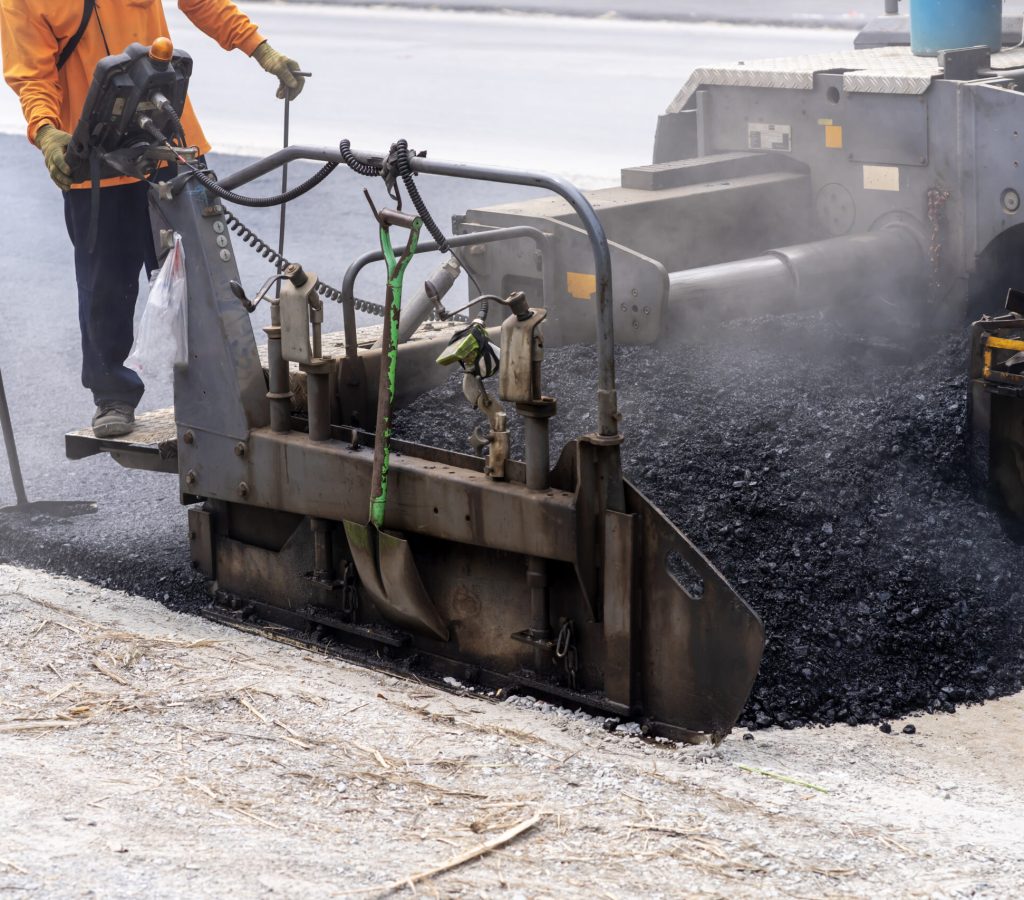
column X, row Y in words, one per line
column 50, row 49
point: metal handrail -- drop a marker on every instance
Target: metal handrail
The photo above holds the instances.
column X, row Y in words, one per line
column 607, row 403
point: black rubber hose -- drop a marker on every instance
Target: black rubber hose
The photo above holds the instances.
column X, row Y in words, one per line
column 360, row 168
column 405, row 172
column 263, row 202
column 256, row 202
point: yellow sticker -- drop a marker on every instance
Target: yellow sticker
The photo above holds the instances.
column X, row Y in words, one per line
column 834, row 137
column 580, row 286
column 824, row 121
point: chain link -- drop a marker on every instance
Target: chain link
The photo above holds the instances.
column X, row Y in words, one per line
column 248, row 236
column 349, row 593
column 565, row 649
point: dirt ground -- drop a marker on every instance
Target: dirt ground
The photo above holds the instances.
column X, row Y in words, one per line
column 148, row 753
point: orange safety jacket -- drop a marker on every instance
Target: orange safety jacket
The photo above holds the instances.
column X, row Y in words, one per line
column 32, row 33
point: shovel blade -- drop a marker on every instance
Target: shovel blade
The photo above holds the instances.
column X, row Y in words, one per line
column 408, row 603
column 362, row 543
column 389, row 576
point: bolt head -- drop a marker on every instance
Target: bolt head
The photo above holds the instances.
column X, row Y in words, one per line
column 190, row 477
column 188, row 437
column 243, row 489
column 240, row 449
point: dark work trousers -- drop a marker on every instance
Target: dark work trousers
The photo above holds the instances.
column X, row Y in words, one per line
column 108, row 284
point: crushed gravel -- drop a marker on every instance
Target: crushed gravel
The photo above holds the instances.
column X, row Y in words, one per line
column 146, row 753
column 825, row 474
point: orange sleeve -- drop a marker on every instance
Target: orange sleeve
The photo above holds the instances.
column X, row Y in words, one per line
column 224, row 22
column 30, row 63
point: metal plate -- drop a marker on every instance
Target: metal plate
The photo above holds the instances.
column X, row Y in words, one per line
column 153, row 445
column 882, row 70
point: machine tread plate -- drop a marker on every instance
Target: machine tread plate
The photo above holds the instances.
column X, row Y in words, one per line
column 155, row 434
column 880, row 70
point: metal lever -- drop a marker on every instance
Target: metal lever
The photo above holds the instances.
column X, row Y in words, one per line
column 250, row 305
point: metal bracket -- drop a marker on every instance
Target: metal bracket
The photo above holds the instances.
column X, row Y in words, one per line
column 518, row 341
column 296, row 306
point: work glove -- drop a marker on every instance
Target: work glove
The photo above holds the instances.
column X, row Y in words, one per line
column 53, row 143
column 284, row 68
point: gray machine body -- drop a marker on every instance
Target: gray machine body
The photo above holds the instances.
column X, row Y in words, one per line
column 753, row 158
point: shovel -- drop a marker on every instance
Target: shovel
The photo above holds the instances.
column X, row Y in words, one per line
column 59, row 508
column 384, row 559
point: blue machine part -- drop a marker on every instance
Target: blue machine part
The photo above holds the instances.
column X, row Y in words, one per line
column 937, row 25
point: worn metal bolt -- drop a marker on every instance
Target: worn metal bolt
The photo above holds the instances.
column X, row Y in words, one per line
column 647, row 310
column 190, row 477
column 188, row 437
column 622, row 306
column 635, row 292
column 243, row 489
column 225, row 255
column 240, row 449
column 636, row 324
column 1011, row 200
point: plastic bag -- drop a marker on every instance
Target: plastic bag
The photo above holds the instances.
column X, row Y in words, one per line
column 162, row 340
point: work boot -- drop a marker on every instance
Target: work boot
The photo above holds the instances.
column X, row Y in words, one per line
column 113, row 420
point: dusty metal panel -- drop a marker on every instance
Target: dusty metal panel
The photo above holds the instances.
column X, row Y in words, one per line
column 888, row 130
column 700, row 170
column 717, row 639
column 675, row 136
column 200, row 537
column 994, row 156
column 619, row 591
column 426, row 496
column 221, row 344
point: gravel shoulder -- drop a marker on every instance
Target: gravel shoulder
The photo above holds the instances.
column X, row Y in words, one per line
column 146, row 752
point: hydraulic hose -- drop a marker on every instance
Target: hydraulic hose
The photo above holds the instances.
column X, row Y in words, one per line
column 405, row 172
column 365, row 169
column 400, row 152
column 256, row 202
column 263, row 202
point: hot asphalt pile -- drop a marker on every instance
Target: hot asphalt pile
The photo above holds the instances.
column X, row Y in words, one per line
column 825, row 475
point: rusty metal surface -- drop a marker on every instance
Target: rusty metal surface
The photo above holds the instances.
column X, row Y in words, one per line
column 700, row 652
column 200, row 539
column 332, row 481
column 621, row 670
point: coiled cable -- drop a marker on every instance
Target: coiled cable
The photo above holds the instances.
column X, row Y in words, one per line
column 360, row 168
column 401, row 149
column 248, row 236
column 255, row 202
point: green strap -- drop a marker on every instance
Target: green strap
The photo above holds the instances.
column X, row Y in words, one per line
column 396, row 273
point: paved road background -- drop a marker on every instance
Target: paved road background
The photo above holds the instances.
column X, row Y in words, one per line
column 578, row 96
column 837, row 13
